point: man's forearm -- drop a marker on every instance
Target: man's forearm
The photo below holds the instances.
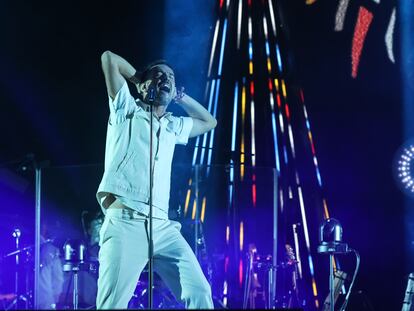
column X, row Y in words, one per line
column 124, row 67
column 195, row 110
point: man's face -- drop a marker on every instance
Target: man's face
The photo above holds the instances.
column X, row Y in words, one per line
column 163, row 79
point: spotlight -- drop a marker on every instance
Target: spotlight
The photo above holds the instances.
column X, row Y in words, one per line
column 404, row 168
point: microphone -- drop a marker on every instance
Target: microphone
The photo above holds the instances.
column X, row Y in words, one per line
column 151, row 93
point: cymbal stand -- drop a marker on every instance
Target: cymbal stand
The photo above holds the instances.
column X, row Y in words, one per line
column 19, row 297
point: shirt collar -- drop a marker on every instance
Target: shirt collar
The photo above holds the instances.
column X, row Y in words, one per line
column 167, row 115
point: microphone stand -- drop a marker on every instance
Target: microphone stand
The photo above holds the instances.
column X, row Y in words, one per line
column 151, row 97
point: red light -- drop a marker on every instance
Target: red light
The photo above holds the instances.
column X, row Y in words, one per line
column 270, row 84
column 254, row 197
column 252, row 88
column 221, row 4
column 313, row 149
column 361, row 29
column 279, row 104
column 287, row 111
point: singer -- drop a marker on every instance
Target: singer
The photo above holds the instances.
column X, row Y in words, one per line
column 123, row 193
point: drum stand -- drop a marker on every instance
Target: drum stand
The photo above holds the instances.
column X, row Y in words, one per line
column 74, row 262
column 74, row 268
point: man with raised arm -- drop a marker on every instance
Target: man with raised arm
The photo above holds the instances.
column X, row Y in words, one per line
column 124, row 191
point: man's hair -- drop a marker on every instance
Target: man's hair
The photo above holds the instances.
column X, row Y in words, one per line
column 147, row 69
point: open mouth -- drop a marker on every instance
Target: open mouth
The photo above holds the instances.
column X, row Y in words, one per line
column 165, row 87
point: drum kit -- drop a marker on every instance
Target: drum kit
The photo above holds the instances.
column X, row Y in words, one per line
column 74, row 262
column 79, row 263
column 258, row 276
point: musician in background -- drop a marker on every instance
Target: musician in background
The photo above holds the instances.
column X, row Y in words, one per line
column 51, row 271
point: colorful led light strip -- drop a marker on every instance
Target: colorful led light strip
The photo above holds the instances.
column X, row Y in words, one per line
column 360, row 33
column 389, row 35
column 203, row 209
column 187, row 199
column 203, row 148
column 340, row 14
column 315, row 160
column 279, row 58
column 233, row 139
column 272, row 18
column 210, row 146
column 223, row 41
column 213, row 47
column 299, row 190
column 242, row 149
column 235, row 105
column 239, row 22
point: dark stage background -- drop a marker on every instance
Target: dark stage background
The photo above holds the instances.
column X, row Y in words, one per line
column 54, row 104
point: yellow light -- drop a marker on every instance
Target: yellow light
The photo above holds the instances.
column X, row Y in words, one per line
column 251, row 67
column 203, row 209
column 241, row 235
column 194, row 209
column 242, row 132
column 315, row 292
column 269, row 65
column 187, row 201
column 277, row 84
column 283, row 88
column 325, row 209
column 314, row 289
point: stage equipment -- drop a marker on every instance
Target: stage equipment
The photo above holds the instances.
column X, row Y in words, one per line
column 18, row 296
column 258, row 280
column 150, row 100
column 75, row 261
column 330, row 238
column 162, row 297
column 340, row 278
column 408, row 304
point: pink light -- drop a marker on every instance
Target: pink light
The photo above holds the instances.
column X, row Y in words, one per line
column 254, row 195
column 221, row 4
column 240, row 273
column 313, row 148
column 226, row 264
column 361, row 30
column 254, row 190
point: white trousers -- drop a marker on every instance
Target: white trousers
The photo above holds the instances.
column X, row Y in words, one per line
column 124, row 253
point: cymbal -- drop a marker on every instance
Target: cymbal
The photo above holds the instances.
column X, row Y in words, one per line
column 20, row 250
